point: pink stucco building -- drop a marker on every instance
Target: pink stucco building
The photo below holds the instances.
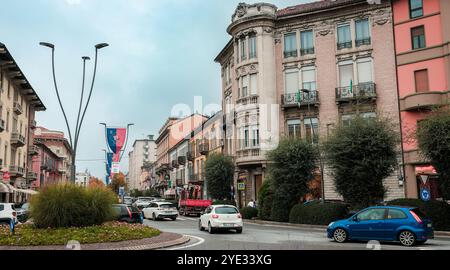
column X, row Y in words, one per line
column 422, row 44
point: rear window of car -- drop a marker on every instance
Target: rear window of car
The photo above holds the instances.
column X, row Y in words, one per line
column 421, row 214
column 226, row 210
column 166, row 205
column 396, row 214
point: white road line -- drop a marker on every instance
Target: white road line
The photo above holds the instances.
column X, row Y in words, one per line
column 200, row 241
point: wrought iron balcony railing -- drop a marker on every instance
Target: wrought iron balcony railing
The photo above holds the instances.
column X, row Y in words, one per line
column 288, row 54
column 344, row 45
column 359, row 91
column 361, row 42
column 301, row 98
column 307, row 51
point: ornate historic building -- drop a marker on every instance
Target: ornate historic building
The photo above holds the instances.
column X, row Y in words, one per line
column 300, row 71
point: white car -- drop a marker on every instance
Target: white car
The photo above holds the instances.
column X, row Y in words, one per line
column 160, row 210
column 7, row 212
column 221, row 217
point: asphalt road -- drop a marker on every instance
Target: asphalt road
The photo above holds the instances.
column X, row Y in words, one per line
column 274, row 237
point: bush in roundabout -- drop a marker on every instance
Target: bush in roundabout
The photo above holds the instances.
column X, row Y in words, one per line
column 249, row 212
column 68, row 205
column 318, row 213
column 438, row 211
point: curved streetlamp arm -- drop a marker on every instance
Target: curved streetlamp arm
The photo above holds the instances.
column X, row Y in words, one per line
column 89, row 97
column 81, row 100
column 59, row 99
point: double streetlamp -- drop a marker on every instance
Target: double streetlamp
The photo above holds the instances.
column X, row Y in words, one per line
column 322, row 182
column 74, row 140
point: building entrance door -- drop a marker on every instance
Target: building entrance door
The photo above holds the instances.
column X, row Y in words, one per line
column 257, row 185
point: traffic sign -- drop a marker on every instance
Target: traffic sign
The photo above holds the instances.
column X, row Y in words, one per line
column 424, row 178
column 241, row 186
column 425, row 194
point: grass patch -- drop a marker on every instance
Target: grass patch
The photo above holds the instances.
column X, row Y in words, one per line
column 28, row 235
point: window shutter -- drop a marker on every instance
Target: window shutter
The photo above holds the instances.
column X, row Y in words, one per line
column 253, row 84
column 421, row 78
column 365, row 71
column 292, row 82
column 346, row 75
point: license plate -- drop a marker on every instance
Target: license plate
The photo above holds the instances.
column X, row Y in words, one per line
column 429, row 225
column 228, row 225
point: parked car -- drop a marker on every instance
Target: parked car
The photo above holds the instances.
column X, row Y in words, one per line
column 160, row 210
column 126, row 213
column 7, row 212
column 128, row 200
column 221, row 217
column 23, row 212
column 407, row 225
column 143, row 202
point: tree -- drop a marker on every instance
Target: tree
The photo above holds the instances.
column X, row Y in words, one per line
column 265, row 200
column 433, row 134
column 95, row 182
column 219, row 176
column 291, row 169
column 118, row 181
column 360, row 156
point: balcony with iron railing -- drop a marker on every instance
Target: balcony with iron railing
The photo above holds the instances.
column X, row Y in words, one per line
column 299, row 99
column 2, row 125
column 62, row 170
column 306, row 51
column 203, row 147
column 288, row 54
column 182, row 160
column 175, row 164
column 344, row 45
column 33, row 150
column 190, row 156
column 31, row 176
column 17, row 139
column 195, row 177
column 252, row 99
column 363, row 41
column 356, row 92
column 17, row 108
column 33, row 124
column 16, row 171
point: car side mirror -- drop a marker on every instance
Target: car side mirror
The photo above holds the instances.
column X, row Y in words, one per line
column 355, row 219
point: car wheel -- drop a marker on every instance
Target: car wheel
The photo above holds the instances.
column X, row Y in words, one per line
column 340, row 235
column 200, row 227
column 210, row 228
column 239, row 230
column 173, row 219
column 407, row 238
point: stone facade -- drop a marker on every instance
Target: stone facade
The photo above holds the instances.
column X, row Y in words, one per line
column 260, row 32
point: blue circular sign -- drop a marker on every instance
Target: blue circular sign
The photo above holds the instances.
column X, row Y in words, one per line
column 425, row 194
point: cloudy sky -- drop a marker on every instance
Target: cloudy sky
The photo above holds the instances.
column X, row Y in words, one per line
column 161, row 53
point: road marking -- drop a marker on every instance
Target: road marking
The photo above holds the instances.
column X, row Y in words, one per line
column 200, row 241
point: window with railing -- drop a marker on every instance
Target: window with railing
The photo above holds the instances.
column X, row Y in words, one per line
column 307, row 42
column 362, row 32
column 344, row 36
column 290, row 45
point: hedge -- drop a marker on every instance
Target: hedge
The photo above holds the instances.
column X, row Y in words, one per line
column 249, row 212
column 318, row 214
column 438, row 211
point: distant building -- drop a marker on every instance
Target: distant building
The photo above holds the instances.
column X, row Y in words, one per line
column 46, row 165
column 82, row 178
column 143, row 153
column 59, row 145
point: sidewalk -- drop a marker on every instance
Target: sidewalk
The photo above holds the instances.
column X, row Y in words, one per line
column 163, row 240
column 313, row 227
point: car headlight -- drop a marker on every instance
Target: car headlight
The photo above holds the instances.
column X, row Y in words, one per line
column 331, row 224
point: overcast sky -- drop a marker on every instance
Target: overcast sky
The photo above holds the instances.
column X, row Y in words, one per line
column 161, row 53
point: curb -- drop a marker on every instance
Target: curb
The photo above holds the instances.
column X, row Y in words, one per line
column 315, row 227
column 182, row 240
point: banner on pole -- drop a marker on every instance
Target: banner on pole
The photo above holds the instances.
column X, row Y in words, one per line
column 115, row 138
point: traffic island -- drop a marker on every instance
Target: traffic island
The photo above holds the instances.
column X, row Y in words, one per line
column 109, row 236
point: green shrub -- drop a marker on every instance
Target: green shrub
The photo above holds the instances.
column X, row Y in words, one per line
column 265, row 200
column 249, row 212
column 318, row 213
column 225, row 202
column 438, row 211
column 69, row 205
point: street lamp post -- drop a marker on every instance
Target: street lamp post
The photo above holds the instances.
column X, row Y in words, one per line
column 73, row 140
column 322, row 182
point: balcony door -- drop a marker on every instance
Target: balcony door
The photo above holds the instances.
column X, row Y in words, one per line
column 346, row 79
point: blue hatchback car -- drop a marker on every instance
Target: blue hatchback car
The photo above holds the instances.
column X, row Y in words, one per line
column 407, row 225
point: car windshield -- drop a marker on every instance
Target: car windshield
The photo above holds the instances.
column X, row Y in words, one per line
column 226, row 210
